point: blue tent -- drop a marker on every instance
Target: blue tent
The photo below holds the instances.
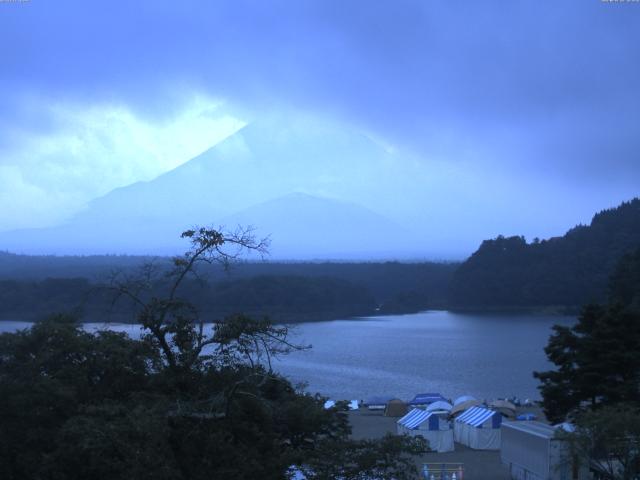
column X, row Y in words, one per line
column 526, row 416
column 377, row 402
column 426, row 398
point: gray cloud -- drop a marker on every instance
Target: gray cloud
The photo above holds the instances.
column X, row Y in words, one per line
column 403, row 68
column 537, row 91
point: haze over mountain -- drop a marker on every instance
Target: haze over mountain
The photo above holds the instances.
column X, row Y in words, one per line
column 477, row 121
column 304, row 226
column 235, row 183
column 371, row 200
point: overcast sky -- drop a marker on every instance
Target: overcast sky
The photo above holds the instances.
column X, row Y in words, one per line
column 540, row 99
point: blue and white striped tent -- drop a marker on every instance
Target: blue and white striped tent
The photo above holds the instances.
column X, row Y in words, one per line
column 433, row 427
column 477, row 416
column 478, row 428
column 417, row 417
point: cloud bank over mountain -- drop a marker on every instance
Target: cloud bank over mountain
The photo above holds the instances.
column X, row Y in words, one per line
column 525, row 110
column 302, row 182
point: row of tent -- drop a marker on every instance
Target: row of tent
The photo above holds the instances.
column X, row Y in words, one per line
column 394, row 407
column 433, row 400
column 477, row 428
column 530, row 450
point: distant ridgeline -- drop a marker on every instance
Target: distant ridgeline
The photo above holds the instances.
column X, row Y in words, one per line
column 566, row 271
column 32, row 287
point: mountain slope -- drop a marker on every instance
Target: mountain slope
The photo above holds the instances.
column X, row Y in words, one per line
column 570, row 270
column 304, row 226
column 264, row 160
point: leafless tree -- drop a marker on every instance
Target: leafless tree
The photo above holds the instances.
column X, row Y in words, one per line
column 175, row 325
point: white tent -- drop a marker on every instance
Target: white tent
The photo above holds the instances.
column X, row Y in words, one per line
column 478, row 428
column 433, row 427
column 329, row 404
column 440, row 406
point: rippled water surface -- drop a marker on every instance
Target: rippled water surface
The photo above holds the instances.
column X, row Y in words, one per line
column 485, row 355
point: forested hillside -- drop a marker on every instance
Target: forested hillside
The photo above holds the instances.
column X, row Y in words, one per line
column 563, row 271
column 32, row 287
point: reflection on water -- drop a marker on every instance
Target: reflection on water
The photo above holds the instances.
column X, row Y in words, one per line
column 484, row 355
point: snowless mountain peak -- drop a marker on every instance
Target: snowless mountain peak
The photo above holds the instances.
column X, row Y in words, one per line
column 307, row 183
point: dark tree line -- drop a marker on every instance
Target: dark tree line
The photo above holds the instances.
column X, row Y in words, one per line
column 283, row 298
column 564, row 271
column 285, row 292
column 383, row 279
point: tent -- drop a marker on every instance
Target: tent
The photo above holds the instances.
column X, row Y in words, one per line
column 433, row 427
column 527, row 417
column 566, row 426
column 462, row 406
column 377, row 403
column 329, row 404
column 395, row 408
column 463, row 398
column 426, row 399
column 505, row 407
column 532, row 451
column 354, row 405
column 440, row 406
column 478, row 428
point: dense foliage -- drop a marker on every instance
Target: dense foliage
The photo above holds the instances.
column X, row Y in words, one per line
column 75, row 405
column 625, row 282
column 564, row 271
column 188, row 400
column 598, row 359
column 598, row 362
column 607, row 440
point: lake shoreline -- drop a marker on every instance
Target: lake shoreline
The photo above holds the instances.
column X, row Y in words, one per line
column 551, row 311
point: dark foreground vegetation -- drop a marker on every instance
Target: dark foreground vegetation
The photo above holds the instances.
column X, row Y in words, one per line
column 596, row 382
column 186, row 401
column 566, row 271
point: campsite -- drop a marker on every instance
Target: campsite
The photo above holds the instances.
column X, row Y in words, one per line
column 466, row 437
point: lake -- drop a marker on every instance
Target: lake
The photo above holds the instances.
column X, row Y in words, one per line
column 485, row 355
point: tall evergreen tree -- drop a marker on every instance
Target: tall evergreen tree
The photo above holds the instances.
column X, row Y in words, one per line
column 598, row 359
